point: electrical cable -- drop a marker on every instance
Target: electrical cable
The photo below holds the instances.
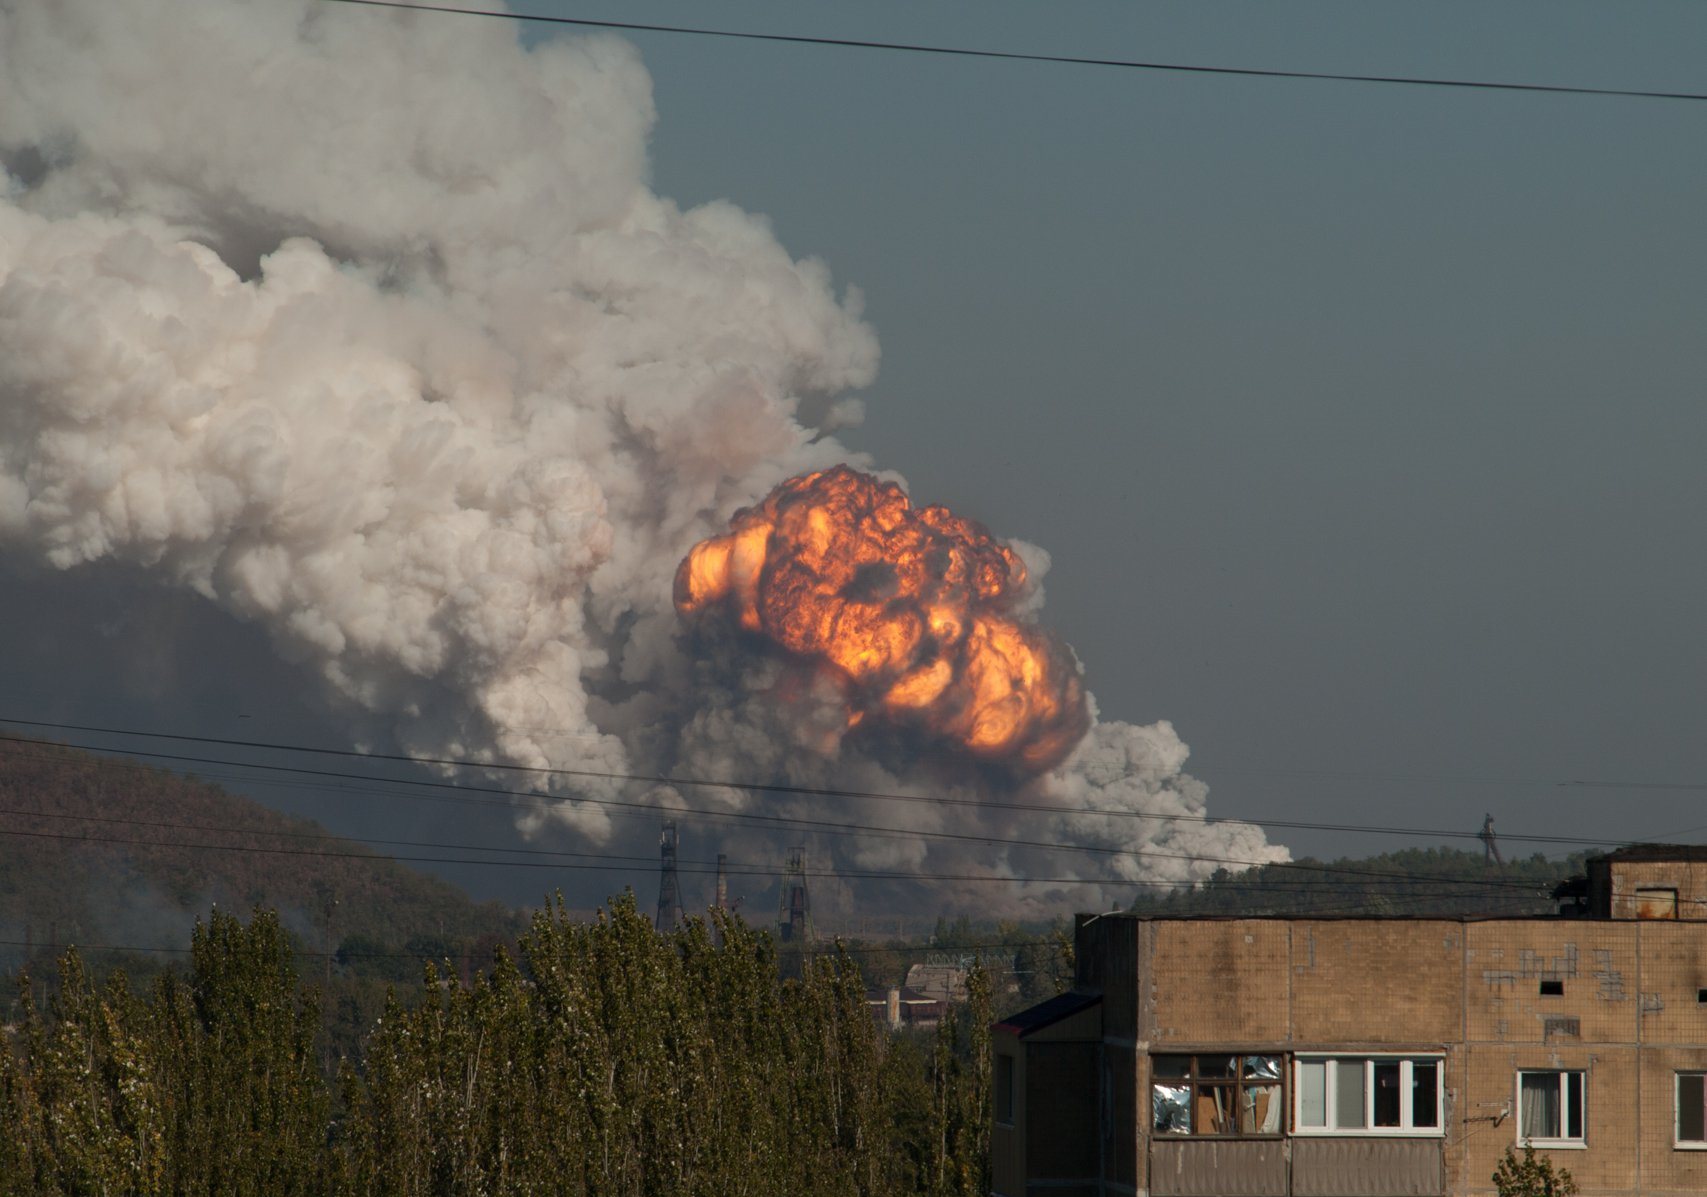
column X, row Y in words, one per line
column 763, row 787
column 1020, row 56
column 1243, row 862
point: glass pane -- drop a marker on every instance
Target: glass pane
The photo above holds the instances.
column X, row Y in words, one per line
column 1265, row 1068
column 1218, row 1066
column 1259, row 1110
column 1691, row 1110
column 1386, row 1093
column 1425, row 1093
column 1312, row 1093
column 1539, row 1094
column 1171, row 1112
column 1573, row 1105
column 1212, row 1110
column 1170, row 1066
column 1348, row 1095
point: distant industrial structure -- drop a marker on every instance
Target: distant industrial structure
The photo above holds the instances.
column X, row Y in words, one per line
column 794, row 903
column 669, row 886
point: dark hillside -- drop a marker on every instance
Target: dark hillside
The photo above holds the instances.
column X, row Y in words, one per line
column 63, row 880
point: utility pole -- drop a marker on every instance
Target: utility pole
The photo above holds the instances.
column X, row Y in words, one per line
column 669, row 888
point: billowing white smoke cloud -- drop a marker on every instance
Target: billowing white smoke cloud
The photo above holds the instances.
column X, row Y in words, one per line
column 367, row 327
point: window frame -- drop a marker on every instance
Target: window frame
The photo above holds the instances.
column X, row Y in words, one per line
column 1699, row 1076
column 1563, row 1142
column 1235, row 1085
column 1407, row 1128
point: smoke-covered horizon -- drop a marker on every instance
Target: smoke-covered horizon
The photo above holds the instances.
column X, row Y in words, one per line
column 368, row 329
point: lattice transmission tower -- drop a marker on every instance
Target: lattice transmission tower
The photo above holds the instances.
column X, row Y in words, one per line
column 669, row 887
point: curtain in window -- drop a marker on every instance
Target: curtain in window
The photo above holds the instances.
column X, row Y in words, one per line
column 1540, row 1092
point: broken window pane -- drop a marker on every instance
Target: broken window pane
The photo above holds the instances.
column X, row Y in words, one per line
column 1170, row 1066
column 1266, row 1068
column 1170, row 1109
column 1213, row 1105
column 1259, row 1110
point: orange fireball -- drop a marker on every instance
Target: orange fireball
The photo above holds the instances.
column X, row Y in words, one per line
column 911, row 606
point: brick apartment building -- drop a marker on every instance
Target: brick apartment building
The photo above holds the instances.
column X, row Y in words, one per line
column 1371, row 1057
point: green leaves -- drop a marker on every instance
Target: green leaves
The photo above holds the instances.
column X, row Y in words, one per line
column 607, row 1060
column 1532, row 1177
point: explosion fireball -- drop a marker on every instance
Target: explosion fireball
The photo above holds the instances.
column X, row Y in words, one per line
column 910, row 608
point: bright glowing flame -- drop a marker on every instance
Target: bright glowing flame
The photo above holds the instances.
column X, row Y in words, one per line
column 911, row 606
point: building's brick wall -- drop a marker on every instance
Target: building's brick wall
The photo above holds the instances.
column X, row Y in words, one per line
column 1593, row 961
column 1674, row 975
column 1376, row 981
column 1489, row 1079
column 1227, row 986
column 1666, row 1168
column 1472, row 990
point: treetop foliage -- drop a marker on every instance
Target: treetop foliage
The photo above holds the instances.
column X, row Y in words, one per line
column 605, row 1059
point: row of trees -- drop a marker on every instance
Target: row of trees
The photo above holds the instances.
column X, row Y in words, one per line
column 607, row 1059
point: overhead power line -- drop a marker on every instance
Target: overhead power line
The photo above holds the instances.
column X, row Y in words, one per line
column 824, row 825
column 1020, row 56
column 618, row 864
column 1418, row 887
column 769, row 787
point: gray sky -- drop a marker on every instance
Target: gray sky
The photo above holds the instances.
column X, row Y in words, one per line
column 1362, row 423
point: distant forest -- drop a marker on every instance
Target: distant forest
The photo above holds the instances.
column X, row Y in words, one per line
column 1414, row 881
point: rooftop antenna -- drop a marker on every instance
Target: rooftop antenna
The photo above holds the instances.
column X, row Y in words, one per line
column 669, row 889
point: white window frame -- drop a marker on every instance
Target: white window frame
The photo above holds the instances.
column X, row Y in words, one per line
column 1564, row 1142
column 1699, row 1077
column 1407, row 1116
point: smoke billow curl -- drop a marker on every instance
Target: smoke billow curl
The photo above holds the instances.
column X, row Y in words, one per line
column 367, row 328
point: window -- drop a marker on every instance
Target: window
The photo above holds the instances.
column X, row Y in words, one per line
column 1550, row 1109
column 1368, row 1095
column 1654, row 902
column 1005, row 1089
column 1692, row 1110
column 1215, row 1095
